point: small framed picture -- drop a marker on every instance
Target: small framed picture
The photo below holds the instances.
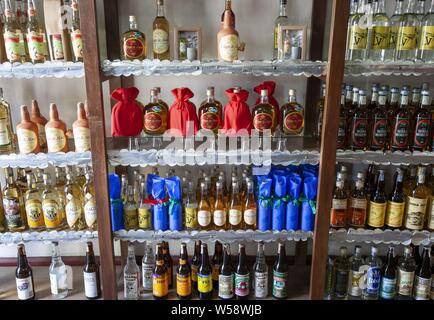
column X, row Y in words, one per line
column 188, row 44
column 292, row 43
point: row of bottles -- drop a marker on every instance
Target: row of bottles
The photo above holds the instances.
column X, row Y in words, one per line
column 58, row 275
column 409, row 205
column 407, row 35
column 36, row 134
column 395, row 278
column 38, row 202
column 390, row 120
column 25, row 39
column 202, row 276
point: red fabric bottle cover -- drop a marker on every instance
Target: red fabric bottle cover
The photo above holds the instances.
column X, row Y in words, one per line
column 127, row 114
column 237, row 113
column 270, row 86
column 182, row 114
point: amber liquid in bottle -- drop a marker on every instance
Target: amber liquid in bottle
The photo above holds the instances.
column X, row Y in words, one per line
column 401, row 126
column 292, row 116
column 168, row 263
column 134, row 42
column 160, row 35
column 235, row 208
column 264, row 115
column 155, row 116
column 379, row 135
column 250, row 208
column 396, row 203
column 378, row 204
column 160, row 284
column 220, row 214
column 343, row 125
column 423, row 124
column 359, row 125
column 211, row 113
column 339, row 205
column 33, row 205
column 52, row 205
column 358, row 204
column 183, row 275
column 204, row 216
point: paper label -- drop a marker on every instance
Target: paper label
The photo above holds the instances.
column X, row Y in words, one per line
column 52, row 217
column 395, row 214
column 209, row 121
column 53, row 284
column 359, row 36
column 147, row 271
column 134, row 47
column 41, row 134
column 11, row 209
column 161, row 41
column 183, row 285
column 27, row 141
column 204, row 218
column 131, row 219
column 73, row 212
column 226, row 286
column 77, row 44
column 263, row 121
column 388, row 288
column 416, row 211
column 380, row 38
column 405, row 282
column 422, row 288
column 35, row 216
column 90, row 284
column 190, row 217
column 14, row 45
column 250, row 217
column 235, row 217
column 219, row 218
column 204, row 283
column 160, row 286
column 294, row 122
column 82, row 139
column 90, row 213
column 242, row 285
column 280, row 280
column 261, row 284
column 25, row 288
column 401, row 133
column 228, row 47
column 355, row 287
column 58, row 51
column 407, row 38
column 5, row 138
column 145, row 216
column 427, row 38
column 377, row 214
column 56, row 139
column 131, row 285
column 153, row 121
column 37, row 46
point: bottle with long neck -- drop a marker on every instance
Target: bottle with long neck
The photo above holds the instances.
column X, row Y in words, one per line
column 74, row 204
column 228, row 11
column 195, row 264
column 148, row 266
column 356, row 273
column 423, row 124
column 426, row 43
column 260, row 276
column 250, row 208
column 359, row 125
column 343, row 125
column 13, row 204
column 406, row 273
column 51, row 205
column 13, row 35
column 373, row 277
column 144, row 209
column 281, row 20
column 204, row 210
column 342, row 270
column 400, row 137
column 24, row 276
column 406, row 46
column 358, row 203
column 160, row 36
column 358, row 35
column 280, row 274
column 183, row 275
column 55, row 131
column 92, row 284
column 388, row 277
column 242, row 275
column 131, row 217
column 379, row 126
column 134, row 42
column 226, row 276
column 396, row 203
column 220, row 216
column 190, row 208
column 160, row 284
column 423, row 277
column 169, row 263
column 58, row 275
column 417, row 203
column 7, row 144
column 90, row 210
column 378, row 204
column 379, row 34
column 36, row 40
column 216, row 263
column 204, row 275
column 131, row 276
column 235, row 209
column 33, row 205
column 339, row 213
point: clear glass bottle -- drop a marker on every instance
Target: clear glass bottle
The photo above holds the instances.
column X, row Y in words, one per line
column 235, row 208
column 75, row 32
column 7, row 144
column 250, row 208
column 204, row 216
column 358, row 35
column 74, row 204
column 379, row 34
column 58, row 274
column 148, row 266
column 36, row 40
column 353, row 12
column 144, row 210
column 190, row 208
column 342, row 270
column 281, row 20
column 13, row 204
column 160, row 35
column 60, row 189
column 33, row 205
column 406, row 273
column 373, row 276
column 260, row 274
column 131, row 276
column 131, row 218
column 395, row 22
column 356, row 274
column 426, row 41
column 406, row 45
column 13, row 36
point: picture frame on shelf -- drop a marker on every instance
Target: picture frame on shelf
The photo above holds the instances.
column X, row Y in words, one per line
column 292, row 43
column 188, row 44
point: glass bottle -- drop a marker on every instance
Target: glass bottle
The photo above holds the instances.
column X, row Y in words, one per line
column 36, row 40
column 242, row 275
column 406, row 273
column 422, row 283
column 160, row 35
column 33, row 205
column 220, row 215
column 415, row 103
column 148, row 266
column 378, row 204
column 131, row 218
column 329, row 291
column 13, row 36
column 260, row 274
column 373, row 104
column 281, row 20
column 144, row 209
column 388, row 277
column 280, row 274
column 358, row 204
column 131, row 276
column 292, row 116
column 396, row 203
column 400, row 137
column 416, row 254
column 204, row 209
column 195, row 264
column 264, row 115
column 169, row 263
column 423, row 124
column 183, row 275
column 7, row 144
column 235, row 209
column 55, row 131
column 24, row 276
column 92, row 283
column 426, row 41
column 134, row 42
column 392, row 107
column 226, row 276
column 90, row 211
column 342, row 270
column 356, row 274
column 216, row 263
column 417, row 203
column 359, row 124
column 320, row 105
column 51, row 206
column 160, row 284
column 373, row 276
column 190, row 209
column 155, row 116
column 75, row 32
column 358, row 35
column 379, row 125
column 204, row 275
column 74, row 204
column 211, row 113
column 406, row 45
column 13, row 204
column 124, row 188
column 379, row 34
column 27, row 133
column 250, row 208
column 343, row 125
column 59, row 187
column 410, row 180
column 58, row 274
column 339, row 212
column 81, row 130
column 395, row 22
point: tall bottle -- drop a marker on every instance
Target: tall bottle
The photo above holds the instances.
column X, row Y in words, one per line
column 379, row 125
column 264, row 115
column 358, row 35
column 13, row 36
column 183, row 275
column 406, row 45
column 395, row 22
column 195, row 264
column 144, row 209
column 36, row 40
column 356, row 274
column 51, row 206
column 27, row 133
column 379, row 34
column 358, row 204
column 228, row 38
column 260, row 274
column 7, row 144
column 190, row 208
column 74, row 204
column 76, row 36
column 90, row 210
column 359, row 124
column 423, row 277
column 250, row 208
column 81, row 130
column 204, row 210
column 417, row 203
column 204, row 275
column 343, row 124
column 388, row 277
column 401, row 126
column 131, row 276
column 131, row 217
column 235, row 209
column 396, row 203
column 292, row 116
column 220, row 215
column 134, row 42
column 281, row 20
column 342, row 269
column 160, row 284
column 211, row 113
column 216, row 263
column 160, row 35
column 148, row 266
column 58, row 274
column 55, row 131
column 378, row 204
column 24, row 276
column 280, row 274
column 373, row 276
column 12, row 204
column 226, row 276
column 339, row 213
column 92, row 284
column 423, row 124
column 169, row 263
column 406, row 273
column 426, row 41
column 33, row 205
column 242, row 275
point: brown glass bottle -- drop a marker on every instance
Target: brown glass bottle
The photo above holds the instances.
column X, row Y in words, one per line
column 423, row 124
column 183, row 275
column 359, row 125
column 160, row 35
column 216, row 263
column 343, row 125
column 168, row 262
column 134, row 42
column 155, row 116
column 396, row 203
column 339, row 213
column 195, row 263
column 81, row 130
column 211, row 113
column 242, row 275
column 378, row 204
column 373, row 104
column 204, row 275
column 250, row 208
column 55, row 131
column 400, row 135
column 92, row 284
column 379, row 136
column 280, row 274
column 24, row 276
column 292, row 116
column 351, row 106
column 40, row 121
column 264, row 115
column 160, row 284
column 358, row 204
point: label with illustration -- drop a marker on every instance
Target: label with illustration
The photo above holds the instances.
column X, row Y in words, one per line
column 210, row 120
column 427, row 38
column 131, row 285
column 153, row 121
column 405, row 282
column 160, row 286
column 416, row 211
column 388, row 288
column 422, row 132
column 377, row 214
column 261, row 284
column 190, row 217
column 226, row 286
column 11, row 207
column 35, row 216
column 145, row 216
column 379, row 133
column 52, row 217
column 280, row 289
column 204, row 283
column 77, row 44
column 393, row 37
column 294, row 122
column 228, row 47
column 373, row 280
column 134, row 47
column 358, row 38
column 160, row 40
column 395, row 214
column 27, row 141
column 380, row 38
column 14, row 45
column 57, row 44
column 131, row 219
column 263, row 121
column 24, row 288
column 360, row 132
column 401, row 133
column 37, row 46
column 82, row 139
column 56, row 139
column 407, row 38
column 242, row 284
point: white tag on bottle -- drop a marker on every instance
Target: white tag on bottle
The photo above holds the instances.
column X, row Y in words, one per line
column 69, row 277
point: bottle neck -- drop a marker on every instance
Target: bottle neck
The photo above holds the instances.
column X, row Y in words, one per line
column 431, row 8
column 390, row 257
column 260, row 257
column 410, row 7
column 160, row 10
column 242, row 256
column 292, row 98
column 399, row 9
column 22, row 258
column 90, row 257
column 133, row 25
column 282, row 10
column 281, row 254
column 420, row 8
column 264, row 100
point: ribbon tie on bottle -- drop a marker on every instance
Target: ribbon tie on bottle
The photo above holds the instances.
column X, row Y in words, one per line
column 154, row 202
column 267, row 201
column 171, row 203
column 312, row 204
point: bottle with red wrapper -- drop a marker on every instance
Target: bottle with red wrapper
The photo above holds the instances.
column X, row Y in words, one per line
column 238, row 118
column 182, row 114
column 127, row 114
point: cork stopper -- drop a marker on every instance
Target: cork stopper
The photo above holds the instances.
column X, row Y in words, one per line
column 54, row 114
column 25, row 116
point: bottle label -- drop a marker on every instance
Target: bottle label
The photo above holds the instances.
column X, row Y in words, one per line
column 11, row 209
column 73, row 212
column 50, row 209
column 215, row 272
column 339, row 212
column 416, row 211
column 373, row 280
column 400, row 133
column 131, row 285
column 379, row 133
column 27, row 141
column 145, row 218
column 147, row 271
column 250, row 217
column 161, row 41
column 209, row 121
column 388, row 288
column 58, row 51
column 294, row 122
column 90, row 284
column 276, row 38
column 14, row 45
column 90, row 213
column 5, row 137
column 342, row 134
column 242, row 286
column 204, row 283
column 41, row 134
column 432, row 288
column 393, row 37
column 194, row 271
column 358, row 203
column 25, row 288
column 219, row 218
column 395, row 214
column 37, row 46
column 355, row 285
column 360, row 132
column 131, row 219
column 82, row 139
column 153, row 121
column 56, row 139
column 422, row 132
column 422, row 288
column 431, row 217
column 427, row 38
column 53, row 284
column 261, row 284
column 263, row 121
column 280, row 284
column 405, row 282
column 204, row 218
column 77, row 44
column 35, row 216
column 134, row 47
column 380, row 38
column 407, row 38
column 359, row 36
column 342, row 277
column 377, row 214
column 190, row 217
column 340, row 204
column 183, row 285
column 228, row 48
column 160, row 285
column 235, row 217
column 226, row 286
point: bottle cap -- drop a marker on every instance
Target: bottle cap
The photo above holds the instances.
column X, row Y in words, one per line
column 210, row 91
column 374, row 250
column 292, row 92
column 394, row 90
column 133, row 19
column 264, row 93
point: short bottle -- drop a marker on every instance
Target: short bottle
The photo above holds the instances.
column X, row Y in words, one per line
column 33, row 205
column 134, row 42
column 242, row 275
column 226, row 276
column 211, row 113
column 27, row 133
column 24, row 276
column 58, row 274
column 388, row 277
column 40, row 121
column 292, row 116
column 81, row 130
column 160, row 284
column 204, row 275
column 92, row 284
column 183, row 275
column 131, row 276
column 406, row 273
column 373, row 276
column 342, row 272
column 55, row 131
column 155, row 116
column 264, row 115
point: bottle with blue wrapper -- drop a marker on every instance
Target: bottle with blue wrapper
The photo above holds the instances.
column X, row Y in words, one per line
column 173, row 185
column 116, row 205
column 279, row 203
column 265, row 203
column 160, row 203
column 293, row 207
column 308, row 205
